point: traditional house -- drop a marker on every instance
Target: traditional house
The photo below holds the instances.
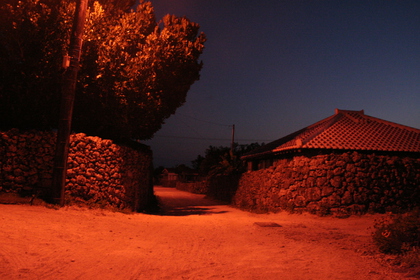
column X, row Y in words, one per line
column 169, row 177
column 347, row 163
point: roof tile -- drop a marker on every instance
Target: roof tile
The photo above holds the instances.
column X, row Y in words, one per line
column 348, row 130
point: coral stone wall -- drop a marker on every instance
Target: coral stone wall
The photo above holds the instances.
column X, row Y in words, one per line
column 99, row 171
column 168, row 183
column 198, row 187
column 349, row 182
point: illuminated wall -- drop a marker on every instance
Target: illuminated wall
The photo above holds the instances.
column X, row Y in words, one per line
column 198, row 187
column 99, row 171
column 337, row 183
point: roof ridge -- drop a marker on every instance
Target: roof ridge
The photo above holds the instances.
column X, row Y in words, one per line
column 338, row 111
column 325, row 124
column 311, row 131
column 348, row 115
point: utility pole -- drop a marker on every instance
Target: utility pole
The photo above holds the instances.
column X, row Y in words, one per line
column 232, row 144
column 67, row 102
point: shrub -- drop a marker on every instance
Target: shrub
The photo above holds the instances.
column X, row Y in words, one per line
column 398, row 234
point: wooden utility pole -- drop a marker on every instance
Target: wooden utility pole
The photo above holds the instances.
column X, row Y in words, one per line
column 66, row 107
column 232, row 144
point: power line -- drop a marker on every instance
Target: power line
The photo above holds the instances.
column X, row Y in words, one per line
column 205, row 138
column 190, row 137
column 192, row 129
column 210, row 122
column 213, row 139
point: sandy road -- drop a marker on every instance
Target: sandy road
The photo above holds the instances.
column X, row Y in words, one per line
column 193, row 238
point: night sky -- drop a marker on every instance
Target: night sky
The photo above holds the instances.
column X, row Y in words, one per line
column 274, row 67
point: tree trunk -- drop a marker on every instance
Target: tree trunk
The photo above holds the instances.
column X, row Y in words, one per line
column 66, row 107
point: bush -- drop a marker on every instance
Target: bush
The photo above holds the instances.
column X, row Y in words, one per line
column 398, row 234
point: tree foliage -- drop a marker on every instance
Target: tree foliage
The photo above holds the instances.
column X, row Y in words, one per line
column 134, row 72
column 223, row 160
column 30, row 59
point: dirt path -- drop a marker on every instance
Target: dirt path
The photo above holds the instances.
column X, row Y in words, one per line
column 194, row 238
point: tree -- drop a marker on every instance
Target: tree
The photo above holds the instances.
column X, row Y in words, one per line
column 197, row 162
column 30, row 60
column 211, row 157
column 222, row 160
column 135, row 72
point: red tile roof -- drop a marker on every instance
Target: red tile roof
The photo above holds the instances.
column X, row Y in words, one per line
column 348, row 130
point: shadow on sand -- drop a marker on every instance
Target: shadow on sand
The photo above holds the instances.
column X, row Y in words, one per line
column 173, row 202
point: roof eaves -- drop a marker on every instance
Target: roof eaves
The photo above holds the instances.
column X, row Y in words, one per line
column 313, row 130
column 256, row 155
column 269, row 148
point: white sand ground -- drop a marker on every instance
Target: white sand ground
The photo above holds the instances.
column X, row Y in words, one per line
column 196, row 239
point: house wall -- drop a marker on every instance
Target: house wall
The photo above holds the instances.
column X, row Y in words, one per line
column 349, row 182
column 99, row 171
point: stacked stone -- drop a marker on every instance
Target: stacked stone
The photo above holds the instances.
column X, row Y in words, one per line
column 349, row 182
column 99, row 171
column 94, row 170
column 200, row 187
column 26, row 159
column 136, row 171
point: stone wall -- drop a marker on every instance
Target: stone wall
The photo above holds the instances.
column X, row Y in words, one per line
column 198, row 187
column 223, row 187
column 99, row 171
column 349, row 182
column 168, row 183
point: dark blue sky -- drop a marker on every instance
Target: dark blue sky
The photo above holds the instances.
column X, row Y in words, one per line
column 274, row 67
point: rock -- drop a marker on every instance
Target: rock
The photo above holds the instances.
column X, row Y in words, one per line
column 336, row 182
column 326, row 191
column 347, row 198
